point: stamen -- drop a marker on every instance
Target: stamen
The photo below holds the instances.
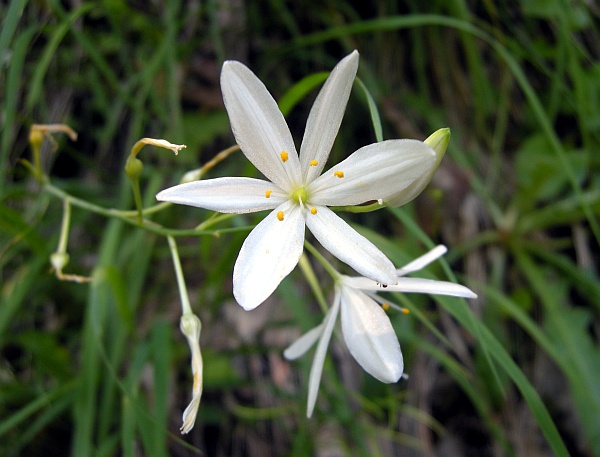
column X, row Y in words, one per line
column 268, row 193
column 313, row 210
column 280, row 215
column 405, row 311
column 284, row 156
column 313, row 163
column 339, row 174
column 385, row 306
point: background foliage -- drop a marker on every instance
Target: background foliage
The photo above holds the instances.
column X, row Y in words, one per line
column 102, row 369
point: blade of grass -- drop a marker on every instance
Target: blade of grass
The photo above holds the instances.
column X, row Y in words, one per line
column 375, row 118
column 11, row 97
column 396, row 23
column 581, row 363
column 494, row 349
column 36, row 84
column 300, row 90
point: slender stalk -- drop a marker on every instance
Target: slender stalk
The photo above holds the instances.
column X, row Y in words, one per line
column 185, row 300
column 125, row 216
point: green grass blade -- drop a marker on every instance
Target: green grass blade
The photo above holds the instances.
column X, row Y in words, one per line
column 375, row 118
column 463, row 314
column 400, row 22
column 11, row 99
column 300, row 90
column 36, row 85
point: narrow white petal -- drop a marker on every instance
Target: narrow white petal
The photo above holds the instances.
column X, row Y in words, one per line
column 317, row 366
column 326, row 116
column 268, row 255
column 299, row 347
column 421, row 262
column 373, row 172
column 414, row 285
column 370, row 336
column 226, row 195
column 349, row 246
column 258, row 126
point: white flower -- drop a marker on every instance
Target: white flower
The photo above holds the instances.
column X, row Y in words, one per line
column 366, row 328
column 297, row 192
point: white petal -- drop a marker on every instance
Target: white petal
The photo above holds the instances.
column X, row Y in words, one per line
column 438, row 141
column 414, row 285
column 268, row 255
column 299, row 347
column 349, row 246
column 258, row 126
column 421, row 262
column 226, row 195
column 370, row 336
column 317, row 366
column 326, row 116
column 373, row 172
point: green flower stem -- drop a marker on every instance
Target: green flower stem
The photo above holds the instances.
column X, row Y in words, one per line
column 323, row 261
column 185, row 300
column 64, row 228
column 214, row 219
column 125, row 216
column 359, row 209
column 312, row 280
column 137, row 196
column 151, row 210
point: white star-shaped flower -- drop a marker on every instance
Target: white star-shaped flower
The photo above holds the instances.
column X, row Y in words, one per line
column 366, row 328
column 297, row 192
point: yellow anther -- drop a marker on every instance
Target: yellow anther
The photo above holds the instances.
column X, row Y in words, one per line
column 406, row 310
column 268, row 193
column 339, row 174
column 284, row 156
column 313, row 210
column 280, row 215
column 313, row 163
column 385, row 306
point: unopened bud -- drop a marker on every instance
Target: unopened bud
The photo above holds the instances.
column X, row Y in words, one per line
column 36, row 138
column 59, row 261
column 438, row 141
column 133, row 167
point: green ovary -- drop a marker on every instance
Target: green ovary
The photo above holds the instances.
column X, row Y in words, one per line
column 299, row 195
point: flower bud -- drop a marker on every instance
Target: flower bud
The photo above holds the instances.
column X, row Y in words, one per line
column 59, row 260
column 438, row 141
column 36, row 138
column 133, row 167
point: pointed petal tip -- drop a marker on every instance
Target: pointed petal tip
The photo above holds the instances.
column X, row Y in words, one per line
column 247, row 301
column 392, row 376
column 247, row 305
column 163, row 195
column 471, row 294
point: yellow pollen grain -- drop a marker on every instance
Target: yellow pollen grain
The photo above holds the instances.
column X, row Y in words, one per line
column 385, row 306
column 280, row 215
column 268, row 193
column 313, row 210
column 339, row 174
column 406, row 310
column 313, row 163
column 284, row 156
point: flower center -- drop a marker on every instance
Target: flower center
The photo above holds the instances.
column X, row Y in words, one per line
column 299, row 195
